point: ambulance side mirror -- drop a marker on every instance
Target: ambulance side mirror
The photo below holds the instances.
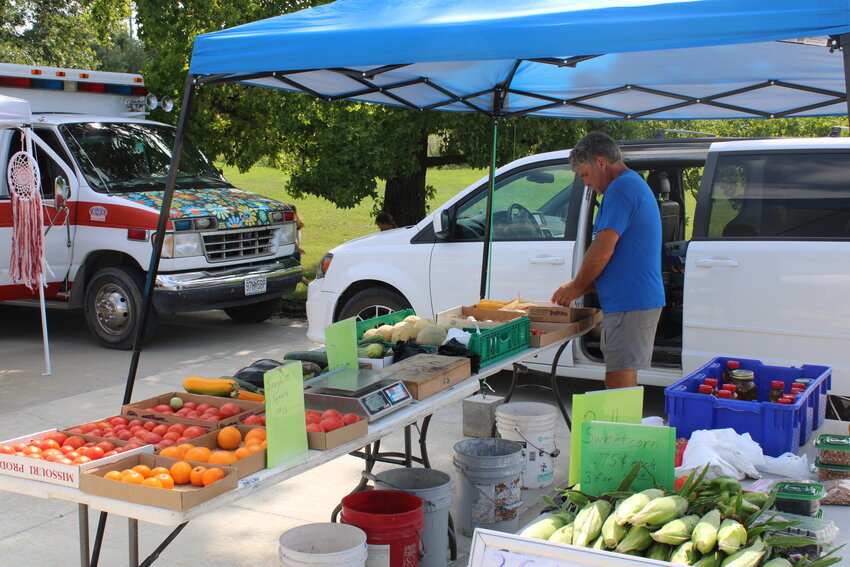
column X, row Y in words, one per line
column 61, row 192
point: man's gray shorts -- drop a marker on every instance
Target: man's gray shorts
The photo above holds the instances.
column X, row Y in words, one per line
column 628, row 338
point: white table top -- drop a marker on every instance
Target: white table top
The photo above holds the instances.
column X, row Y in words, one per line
column 378, row 429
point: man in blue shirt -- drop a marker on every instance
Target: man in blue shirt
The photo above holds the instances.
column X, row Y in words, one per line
column 623, row 263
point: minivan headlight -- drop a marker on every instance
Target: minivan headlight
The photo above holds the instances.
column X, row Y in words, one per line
column 324, row 264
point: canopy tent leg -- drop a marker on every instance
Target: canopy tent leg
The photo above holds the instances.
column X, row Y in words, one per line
column 488, row 224
column 844, row 40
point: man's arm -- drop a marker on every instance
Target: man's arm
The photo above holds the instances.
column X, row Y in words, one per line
column 597, row 257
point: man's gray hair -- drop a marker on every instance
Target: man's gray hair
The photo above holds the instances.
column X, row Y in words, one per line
column 592, row 146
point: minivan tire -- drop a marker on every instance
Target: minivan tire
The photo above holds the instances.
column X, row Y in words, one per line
column 372, row 302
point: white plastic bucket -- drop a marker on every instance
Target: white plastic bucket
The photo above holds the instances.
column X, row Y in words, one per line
column 323, row 544
column 531, row 424
column 435, row 489
column 488, row 484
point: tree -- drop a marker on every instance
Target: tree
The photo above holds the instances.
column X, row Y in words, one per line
column 59, row 33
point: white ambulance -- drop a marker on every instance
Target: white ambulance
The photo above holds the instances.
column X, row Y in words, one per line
column 103, row 169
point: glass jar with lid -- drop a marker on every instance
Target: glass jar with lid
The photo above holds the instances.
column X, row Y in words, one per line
column 777, row 390
column 744, row 384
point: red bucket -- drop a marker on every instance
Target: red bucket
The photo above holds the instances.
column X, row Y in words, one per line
column 392, row 520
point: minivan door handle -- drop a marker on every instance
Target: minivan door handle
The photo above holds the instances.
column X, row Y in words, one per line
column 715, row 263
column 546, row 260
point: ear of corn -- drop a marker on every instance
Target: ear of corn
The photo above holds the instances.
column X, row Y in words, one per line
column 713, row 559
column 731, row 536
column 563, row 535
column 704, row 535
column 658, row 551
column 684, row 554
column 637, row 539
column 588, row 522
column 748, row 556
column 612, row 532
column 545, row 527
column 634, row 504
column 599, row 543
column 676, row 531
column 660, row 511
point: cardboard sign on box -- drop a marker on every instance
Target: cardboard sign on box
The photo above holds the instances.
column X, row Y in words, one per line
column 484, row 318
column 559, row 331
column 554, row 313
column 244, row 466
column 57, row 473
column 181, row 497
column 325, row 441
column 141, row 409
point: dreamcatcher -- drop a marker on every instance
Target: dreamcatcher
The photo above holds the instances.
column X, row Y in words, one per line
column 27, row 237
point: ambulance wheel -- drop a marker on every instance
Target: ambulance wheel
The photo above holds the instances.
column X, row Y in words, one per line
column 113, row 307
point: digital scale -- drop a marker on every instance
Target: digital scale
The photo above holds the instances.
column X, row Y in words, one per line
column 359, row 391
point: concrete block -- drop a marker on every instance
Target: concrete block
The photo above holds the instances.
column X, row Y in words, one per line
column 479, row 414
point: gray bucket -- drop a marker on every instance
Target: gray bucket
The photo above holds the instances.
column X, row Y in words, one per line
column 435, row 489
column 489, row 484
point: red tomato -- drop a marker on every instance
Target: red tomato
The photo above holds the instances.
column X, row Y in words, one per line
column 134, row 422
column 213, row 418
column 311, row 417
column 166, row 443
column 72, row 455
column 331, row 423
column 193, row 431
column 65, row 461
column 76, row 430
column 6, row 450
column 252, row 420
column 331, row 413
column 118, row 420
column 162, row 408
column 110, row 453
column 315, row 428
column 191, row 405
column 198, row 407
column 152, row 438
column 48, row 444
column 31, row 450
column 263, row 420
column 93, row 453
column 229, row 410
column 177, row 427
column 81, row 460
column 160, row 429
column 149, row 425
column 85, row 428
column 96, row 432
column 125, row 435
column 172, row 435
column 75, row 442
column 350, row 418
column 57, row 436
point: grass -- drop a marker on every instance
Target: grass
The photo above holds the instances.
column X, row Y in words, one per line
column 326, row 225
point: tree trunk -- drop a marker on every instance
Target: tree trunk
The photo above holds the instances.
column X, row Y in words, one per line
column 404, row 195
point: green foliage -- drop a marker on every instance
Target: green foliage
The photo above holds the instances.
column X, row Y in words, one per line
column 58, row 32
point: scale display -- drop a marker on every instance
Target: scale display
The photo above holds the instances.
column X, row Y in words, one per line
column 359, row 391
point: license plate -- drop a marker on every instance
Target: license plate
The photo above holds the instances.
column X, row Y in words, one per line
column 255, row 285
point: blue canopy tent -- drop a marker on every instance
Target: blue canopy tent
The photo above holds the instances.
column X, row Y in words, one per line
column 589, row 59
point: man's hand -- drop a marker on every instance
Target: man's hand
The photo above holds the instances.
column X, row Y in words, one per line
column 566, row 293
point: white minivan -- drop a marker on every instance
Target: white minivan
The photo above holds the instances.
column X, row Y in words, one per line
column 757, row 266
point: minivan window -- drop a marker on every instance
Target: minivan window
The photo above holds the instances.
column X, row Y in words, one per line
column 782, row 195
column 529, row 205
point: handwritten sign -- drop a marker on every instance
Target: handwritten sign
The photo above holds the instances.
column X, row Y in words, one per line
column 285, row 433
column 609, row 450
column 341, row 344
column 621, row 405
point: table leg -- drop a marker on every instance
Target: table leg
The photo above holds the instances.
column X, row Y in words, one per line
column 98, row 539
column 133, row 541
column 83, row 517
column 554, row 385
column 423, row 442
column 153, row 556
column 408, row 449
column 517, row 369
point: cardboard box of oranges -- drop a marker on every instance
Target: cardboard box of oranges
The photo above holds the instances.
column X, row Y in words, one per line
column 142, row 479
column 242, row 447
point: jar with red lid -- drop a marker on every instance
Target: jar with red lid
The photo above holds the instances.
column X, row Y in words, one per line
column 777, row 390
column 744, row 383
column 724, row 394
column 705, row 389
column 731, row 388
column 713, row 383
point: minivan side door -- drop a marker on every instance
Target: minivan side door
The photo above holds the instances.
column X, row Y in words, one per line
column 532, row 238
column 767, row 273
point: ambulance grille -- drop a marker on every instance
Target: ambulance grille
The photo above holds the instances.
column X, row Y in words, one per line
column 225, row 245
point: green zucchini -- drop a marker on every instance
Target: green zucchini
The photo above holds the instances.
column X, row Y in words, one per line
column 319, row 357
column 374, row 339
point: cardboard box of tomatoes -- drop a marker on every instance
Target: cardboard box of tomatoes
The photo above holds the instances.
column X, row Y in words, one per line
column 330, row 428
column 211, row 412
column 58, row 457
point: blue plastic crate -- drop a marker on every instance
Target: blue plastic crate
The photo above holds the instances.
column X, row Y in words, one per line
column 777, row 428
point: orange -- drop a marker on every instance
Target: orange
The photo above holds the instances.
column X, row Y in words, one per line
column 159, row 470
column 143, row 470
column 152, row 482
column 183, row 447
column 197, row 474
column 165, row 480
column 171, row 452
column 221, row 458
column 229, row 438
column 241, row 453
column 258, row 433
column 199, row 454
column 211, row 475
column 133, row 477
column 254, row 448
column 113, row 475
column 180, row 472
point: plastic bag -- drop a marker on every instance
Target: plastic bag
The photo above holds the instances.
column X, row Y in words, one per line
column 455, row 348
column 406, row 349
column 726, row 452
column 787, row 464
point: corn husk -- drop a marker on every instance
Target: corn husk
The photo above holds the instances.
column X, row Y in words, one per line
column 545, row 527
column 658, row 551
column 660, row 511
column 676, row 532
column 634, row 504
column 637, row 539
column 563, row 535
column 778, row 562
column 613, row 532
column 713, row 559
column 684, row 554
column 731, row 536
column 588, row 522
column 748, row 556
column 705, row 532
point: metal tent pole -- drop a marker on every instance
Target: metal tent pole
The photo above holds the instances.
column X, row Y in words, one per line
column 488, row 223
column 844, row 40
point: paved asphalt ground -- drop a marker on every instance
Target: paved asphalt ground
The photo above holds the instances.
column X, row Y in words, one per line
column 88, row 382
